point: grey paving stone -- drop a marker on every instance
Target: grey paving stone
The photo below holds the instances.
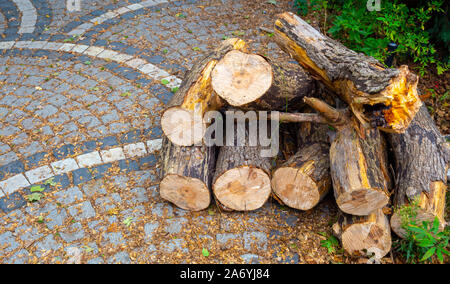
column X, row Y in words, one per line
column 20, row 257
column 255, row 239
column 8, row 242
column 228, row 240
column 94, row 188
column 82, row 211
column 55, row 218
column 96, row 260
column 170, row 246
column 48, row 244
column 250, row 258
column 72, row 233
column 174, row 226
column 120, row 257
column 149, row 230
column 69, row 195
column 47, row 111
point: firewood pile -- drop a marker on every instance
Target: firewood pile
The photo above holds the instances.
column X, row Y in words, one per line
column 378, row 152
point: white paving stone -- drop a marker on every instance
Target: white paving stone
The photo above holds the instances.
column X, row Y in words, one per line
column 22, row 44
column 154, row 145
column 80, row 48
column 67, row 47
column 112, row 155
column 53, row 45
column 122, row 10
column 93, row 51
column 149, row 69
column 148, row 3
column 121, row 58
column 89, row 159
column 136, row 63
column 173, row 82
column 107, row 54
column 64, row 166
column 134, row 150
column 135, row 7
column 7, row 44
column 39, row 174
column 37, row 44
column 81, row 29
column 28, row 18
column 14, row 183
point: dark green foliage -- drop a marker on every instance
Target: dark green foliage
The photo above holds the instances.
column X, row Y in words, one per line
column 424, row 242
column 417, row 28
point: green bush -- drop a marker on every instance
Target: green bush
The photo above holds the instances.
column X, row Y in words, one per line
column 370, row 31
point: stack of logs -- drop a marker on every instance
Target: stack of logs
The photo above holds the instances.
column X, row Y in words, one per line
column 383, row 143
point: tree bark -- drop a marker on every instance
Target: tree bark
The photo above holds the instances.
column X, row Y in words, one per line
column 421, row 157
column 251, row 81
column 242, row 180
column 368, row 236
column 304, row 179
column 182, row 121
column 385, row 98
column 186, row 173
column 359, row 169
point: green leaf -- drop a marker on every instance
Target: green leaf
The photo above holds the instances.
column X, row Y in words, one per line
column 34, row 197
column 428, row 254
column 164, row 81
column 50, row 181
column 273, row 2
column 174, row 90
column 205, row 252
column 165, row 51
column 88, row 62
column 196, row 48
column 128, row 221
column 36, row 188
column 125, row 94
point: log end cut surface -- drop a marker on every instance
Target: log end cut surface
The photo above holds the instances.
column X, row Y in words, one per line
column 241, row 78
column 362, row 201
column 243, row 188
column 182, row 127
column 187, row 193
column 366, row 239
column 295, row 188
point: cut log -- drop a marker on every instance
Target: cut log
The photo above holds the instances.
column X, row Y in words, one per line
column 304, row 179
column 186, row 173
column 368, row 236
column 242, row 181
column 251, row 81
column 182, row 121
column 359, row 168
column 385, row 98
column 421, row 158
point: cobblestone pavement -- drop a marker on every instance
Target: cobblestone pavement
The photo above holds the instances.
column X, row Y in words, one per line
column 80, row 98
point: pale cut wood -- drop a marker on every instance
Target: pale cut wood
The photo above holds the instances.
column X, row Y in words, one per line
column 186, row 173
column 385, row 98
column 359, row 168
column 182, row 121
column 366, row 236
column 421, row 163
column 242, row 181
column 251, row 81
column 304, row 179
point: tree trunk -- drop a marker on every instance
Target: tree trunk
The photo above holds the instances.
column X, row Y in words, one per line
column 182, row 121
column 387, row 98
column 242, row 181
column 359, row 168
column 304, row 179
column 421, row 156
column 251, row 81
column 186, row 173
column 368, row 236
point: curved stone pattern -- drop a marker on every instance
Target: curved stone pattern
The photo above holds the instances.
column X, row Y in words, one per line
column 28, row 16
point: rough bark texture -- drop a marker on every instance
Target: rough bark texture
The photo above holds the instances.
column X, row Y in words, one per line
column 368, row 236
column 359, row 170
column 182, row 121
column 242, row 180
column 304, row 179
column 421, row 157
column 387, row 98
column 186, row 173
column 251, row 81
